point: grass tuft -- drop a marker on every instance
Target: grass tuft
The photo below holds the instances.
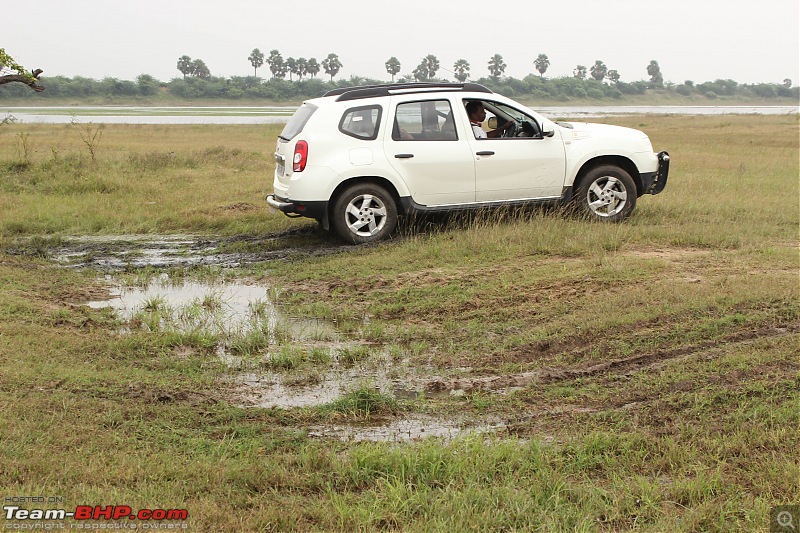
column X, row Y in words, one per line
column 363, row 402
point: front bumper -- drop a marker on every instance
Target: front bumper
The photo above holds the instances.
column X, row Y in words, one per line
column 654, row 182
column 317, row 210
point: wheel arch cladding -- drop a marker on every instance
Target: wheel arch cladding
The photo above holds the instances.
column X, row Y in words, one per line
column 376, row 180
column 615, row 160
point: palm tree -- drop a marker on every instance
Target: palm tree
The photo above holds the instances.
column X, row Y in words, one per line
column 541, row 63
column 496, row 67
column 599, row 70
column 185, row 65
column 579, row 72
column 312, row 67
column 392, row 66
column 461, row 70
column 421, row 72
column 613, row 76
column 302, row 68
column 431, row 65
column 291, row 66
column 256, row 59
column 276, row 64
column 331, row 65
column 200, row 69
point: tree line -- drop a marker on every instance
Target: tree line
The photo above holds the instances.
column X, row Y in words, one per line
column 594, row 82
column 277, row 65
column 425, row 71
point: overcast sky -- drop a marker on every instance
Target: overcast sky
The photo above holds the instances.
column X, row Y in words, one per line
column 699, row 40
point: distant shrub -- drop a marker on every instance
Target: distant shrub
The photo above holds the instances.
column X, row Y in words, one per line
column 765, row 90
column 636, row 87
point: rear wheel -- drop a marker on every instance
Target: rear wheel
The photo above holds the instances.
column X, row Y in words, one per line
column 364, row 213
column 606, row 193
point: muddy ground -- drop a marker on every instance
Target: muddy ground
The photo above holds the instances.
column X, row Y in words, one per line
column 233, row 309
column 131, row 252
column 244, row 305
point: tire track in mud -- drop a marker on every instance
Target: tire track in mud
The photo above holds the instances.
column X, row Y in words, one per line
column 623, row 366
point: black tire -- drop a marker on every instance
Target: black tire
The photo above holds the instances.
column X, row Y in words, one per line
column 364, row 213
column 606, row 193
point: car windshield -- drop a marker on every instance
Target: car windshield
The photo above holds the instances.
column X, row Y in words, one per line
column 505, row 112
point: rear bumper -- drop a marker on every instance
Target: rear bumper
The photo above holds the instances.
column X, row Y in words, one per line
column 317, row 210
column 654, row 182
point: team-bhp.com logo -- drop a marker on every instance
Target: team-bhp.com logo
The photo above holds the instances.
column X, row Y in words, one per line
column 114, row 513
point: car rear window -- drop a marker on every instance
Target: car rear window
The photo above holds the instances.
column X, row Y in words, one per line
column 361, row 122
column 298, row 121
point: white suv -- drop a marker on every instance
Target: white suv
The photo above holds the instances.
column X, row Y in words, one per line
column 359, row 157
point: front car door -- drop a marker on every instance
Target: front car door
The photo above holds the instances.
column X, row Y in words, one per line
column 430, row 151
column 526, row 166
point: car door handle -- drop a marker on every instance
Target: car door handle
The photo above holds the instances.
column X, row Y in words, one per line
column 404, row 156
column 485, row 152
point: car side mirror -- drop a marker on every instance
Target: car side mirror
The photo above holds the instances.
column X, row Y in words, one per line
column 548, row 132
column 548, row 128
column 493, row 123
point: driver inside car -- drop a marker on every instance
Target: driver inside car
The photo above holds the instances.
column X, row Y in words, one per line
column 477, row 114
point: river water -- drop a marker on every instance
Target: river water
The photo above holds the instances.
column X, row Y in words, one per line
column 279, row 115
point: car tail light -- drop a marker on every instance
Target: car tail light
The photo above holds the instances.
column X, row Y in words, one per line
column 300, row 156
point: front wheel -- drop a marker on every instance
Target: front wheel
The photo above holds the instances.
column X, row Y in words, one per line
column 606, row 193
column 364, row 213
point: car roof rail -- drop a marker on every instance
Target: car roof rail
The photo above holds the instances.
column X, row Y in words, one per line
column 369, row 91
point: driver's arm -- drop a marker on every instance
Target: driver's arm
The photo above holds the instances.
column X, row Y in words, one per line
column 494, row 134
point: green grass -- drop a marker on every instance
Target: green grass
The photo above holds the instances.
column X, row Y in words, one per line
column 142, row 179
column 363, row 401
column 647, row 373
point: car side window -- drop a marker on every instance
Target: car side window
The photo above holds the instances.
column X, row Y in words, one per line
column 497, row 115
column 430, row 120
column 361, row 122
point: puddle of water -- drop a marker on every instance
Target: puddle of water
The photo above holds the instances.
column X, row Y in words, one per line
column 405, row 430
column 289, row 389
column 295, row 362
column 223, row 308
column 304, row 361
column 273, row 360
